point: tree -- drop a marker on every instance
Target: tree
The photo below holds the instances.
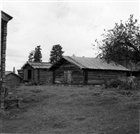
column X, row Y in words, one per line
column 122, row 43
column 31, row 56
column 35, row 55
column 56, row 53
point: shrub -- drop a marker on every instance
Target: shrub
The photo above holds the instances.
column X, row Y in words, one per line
column 125, row 84
column 114, row 83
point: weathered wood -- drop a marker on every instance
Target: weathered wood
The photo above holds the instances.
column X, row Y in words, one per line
column 39, row 75
column 68, row 73
column 85, row 73
column 85, row 76
column 44, row 76
column 3, row 57
column 100, row 76
column 12, row 80
column 20, row 72
column 4, row 20
column 53, row 77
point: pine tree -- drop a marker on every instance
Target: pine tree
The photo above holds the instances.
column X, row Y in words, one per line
column 35, row 55
column 31, row 56
column 56, row 53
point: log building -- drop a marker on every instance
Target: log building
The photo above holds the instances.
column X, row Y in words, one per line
column 5, row 18
column 12, row 80
column 82, row 70
column 36, row 72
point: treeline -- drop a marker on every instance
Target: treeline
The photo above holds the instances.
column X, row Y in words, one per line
column 55, row 54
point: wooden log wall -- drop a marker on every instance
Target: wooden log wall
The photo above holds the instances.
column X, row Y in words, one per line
column 35, row 76
column 3, row 59
column 78, row 77
column 3, row 50
column 20, row 73
column 12, row 81
column 77, row 73
column 59, row 76
column 25, row 72
column 99, row 77
column 85, row 76
column 4, row 20
column 45, row 76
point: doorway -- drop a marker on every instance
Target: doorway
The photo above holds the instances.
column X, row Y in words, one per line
column 29, row 74
column 68, row 77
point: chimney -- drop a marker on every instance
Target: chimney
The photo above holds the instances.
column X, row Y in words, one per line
column 14, row 70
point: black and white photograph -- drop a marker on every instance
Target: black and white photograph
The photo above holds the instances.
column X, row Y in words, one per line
column 69, row 66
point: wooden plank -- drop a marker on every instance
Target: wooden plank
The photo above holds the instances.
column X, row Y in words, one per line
column 53, row 77
column 25, row 74
column 69, row 73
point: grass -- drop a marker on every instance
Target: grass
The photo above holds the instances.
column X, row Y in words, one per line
column 72, row 110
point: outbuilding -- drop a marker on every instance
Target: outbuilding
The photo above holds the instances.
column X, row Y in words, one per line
column 82, row 70
column 12, row 79
column 37, row 72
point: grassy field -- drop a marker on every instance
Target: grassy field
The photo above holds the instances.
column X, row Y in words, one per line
column 73, row 110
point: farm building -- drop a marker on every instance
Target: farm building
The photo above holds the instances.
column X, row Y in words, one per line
column 37, row 72
column 135, row 70
column 5, row 18
column 82, row 70
column 20, row 72
column 12, row 79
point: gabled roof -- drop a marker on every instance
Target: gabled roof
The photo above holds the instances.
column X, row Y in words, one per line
column 90, row 63
column 5, row 16
column 38, row 65
column 10, row 72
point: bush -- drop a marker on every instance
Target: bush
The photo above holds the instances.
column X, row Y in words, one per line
column 114, row 83
column 129, row 83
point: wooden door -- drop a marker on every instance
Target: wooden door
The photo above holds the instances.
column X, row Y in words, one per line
column 68, row 77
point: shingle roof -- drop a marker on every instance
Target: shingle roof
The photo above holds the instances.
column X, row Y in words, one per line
column 93, row 63
column 41, row 65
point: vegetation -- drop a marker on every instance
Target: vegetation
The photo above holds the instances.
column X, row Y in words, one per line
column 72, row 110
column 122, row 43
column 56, row 53
column 31, row 56
column 35, row 55
column 130, row 83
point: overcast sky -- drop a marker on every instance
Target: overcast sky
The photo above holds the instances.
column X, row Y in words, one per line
column 73, row 25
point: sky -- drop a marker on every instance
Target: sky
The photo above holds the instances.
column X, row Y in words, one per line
column 75, row 25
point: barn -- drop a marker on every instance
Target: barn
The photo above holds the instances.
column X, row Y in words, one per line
column 82, row 70
column 12, row 79
column 37, row 72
